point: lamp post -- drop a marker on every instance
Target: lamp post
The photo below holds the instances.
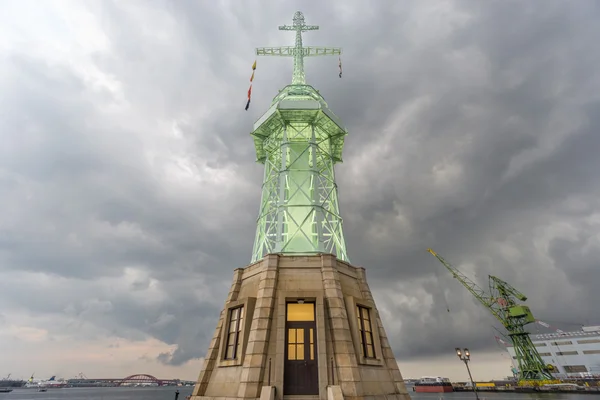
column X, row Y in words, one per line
column 465, row 356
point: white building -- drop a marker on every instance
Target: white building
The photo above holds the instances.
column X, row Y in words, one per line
column 573, row 354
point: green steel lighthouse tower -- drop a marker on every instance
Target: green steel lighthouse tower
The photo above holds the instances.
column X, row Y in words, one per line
column 300, row 321
column 299, row 140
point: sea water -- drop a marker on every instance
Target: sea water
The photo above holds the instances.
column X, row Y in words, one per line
column 502, row 396
column 168, row 393
column 113, row 393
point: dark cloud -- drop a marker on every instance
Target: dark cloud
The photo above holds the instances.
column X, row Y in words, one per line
column 128, row 173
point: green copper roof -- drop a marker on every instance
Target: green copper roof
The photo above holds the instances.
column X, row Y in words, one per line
column 298, row 103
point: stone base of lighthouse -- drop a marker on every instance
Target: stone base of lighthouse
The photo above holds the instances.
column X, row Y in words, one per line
column 300, row 327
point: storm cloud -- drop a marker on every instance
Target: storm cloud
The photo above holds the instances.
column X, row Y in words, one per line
column 130, row 191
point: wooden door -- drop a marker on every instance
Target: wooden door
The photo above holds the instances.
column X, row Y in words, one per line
column 301, row 372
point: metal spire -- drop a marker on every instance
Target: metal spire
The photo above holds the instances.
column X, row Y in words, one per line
column 298, row 51
column 298, row 77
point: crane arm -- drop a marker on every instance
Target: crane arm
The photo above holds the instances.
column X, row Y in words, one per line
column 487, row 301
column 501, row 301
column 505, row 288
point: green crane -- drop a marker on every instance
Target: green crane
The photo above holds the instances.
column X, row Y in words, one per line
column 502, row 302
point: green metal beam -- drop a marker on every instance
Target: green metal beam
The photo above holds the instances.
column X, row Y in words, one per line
column 502, row 303
column 298, row 51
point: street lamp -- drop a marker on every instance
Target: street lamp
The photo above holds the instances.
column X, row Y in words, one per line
column 465, row 356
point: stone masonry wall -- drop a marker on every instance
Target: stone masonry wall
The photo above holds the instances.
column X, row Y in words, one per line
column 390, row 361
column 213, row 349
column 270, row 282
column 345, row 367
column 256, row 351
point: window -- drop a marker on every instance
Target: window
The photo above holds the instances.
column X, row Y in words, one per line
column 575, row 368
column 297, row 341
column 234, row 343
column 591, row 352
column 545, row 354
column 566, row 353
column 561, row 343
column 539, row 344
column 366, row 332
column 584, row 341
column 301, row 311
column 296, row 344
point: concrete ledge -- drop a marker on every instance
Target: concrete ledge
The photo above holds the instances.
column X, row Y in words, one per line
column 272, row 396
column 267, row 393
column 334, row 393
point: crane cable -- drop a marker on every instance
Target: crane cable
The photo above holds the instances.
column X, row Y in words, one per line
column 437, row 276
column 503, row 348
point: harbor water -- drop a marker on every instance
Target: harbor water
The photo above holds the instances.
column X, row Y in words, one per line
column 112, row 393
column 168, row 393
column 502, row 396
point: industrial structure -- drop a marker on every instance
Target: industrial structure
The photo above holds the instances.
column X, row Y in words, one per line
column 502, row 301
column 83, row 381
column 131, row 380
column 299, row 321
column 573, row 354
column 299, row 140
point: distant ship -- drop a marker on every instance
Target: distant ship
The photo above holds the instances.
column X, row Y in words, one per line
column 11, row 383
column 50, row 383
column 433, row 384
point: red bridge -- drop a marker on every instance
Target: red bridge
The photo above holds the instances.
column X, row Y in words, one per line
column 137, row 379
column 146, row 379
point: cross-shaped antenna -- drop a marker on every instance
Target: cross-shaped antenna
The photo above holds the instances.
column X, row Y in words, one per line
column 298, row 51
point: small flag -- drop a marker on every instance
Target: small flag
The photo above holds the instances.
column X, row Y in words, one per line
column 253, row 68
column 500, row 340
column 250, row 90
column 249, row 95
column 340, row 66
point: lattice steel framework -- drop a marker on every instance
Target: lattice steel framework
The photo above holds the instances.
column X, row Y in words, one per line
column 502, row 301
column 299, row 140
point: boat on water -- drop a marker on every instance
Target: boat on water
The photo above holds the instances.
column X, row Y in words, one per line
column 410, row 383
column 5, row 390
column 50, row 383
column 11, row 383
column 433, row 384
column 562, row 387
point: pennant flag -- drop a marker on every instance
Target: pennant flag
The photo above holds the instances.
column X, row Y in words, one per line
column 340, row 66
column 250, row 90
column 500, row 340
column 542, row 323
column 253, row 68
column 249, row 95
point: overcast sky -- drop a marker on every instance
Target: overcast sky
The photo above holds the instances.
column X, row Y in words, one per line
column 129, row 190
